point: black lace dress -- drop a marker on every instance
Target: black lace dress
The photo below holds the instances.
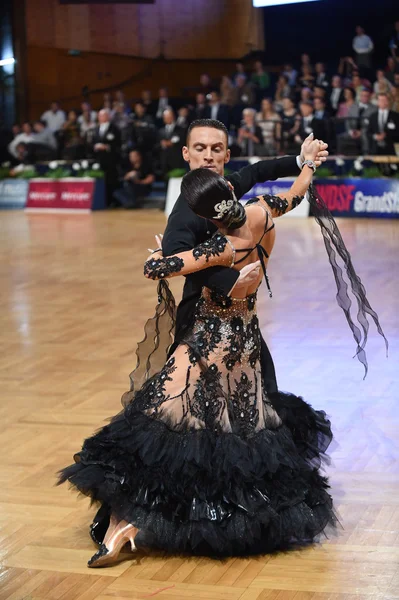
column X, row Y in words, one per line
column 201, row 458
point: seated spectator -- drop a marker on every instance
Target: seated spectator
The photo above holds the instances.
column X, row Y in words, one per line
column 138, row 178
column 71, row 140
column 306, row 95
column 306, row 78
column 205, row 86
column 106, row 143
column 250, row 134
column 357, row 85
column 226, row 91
column 240, row 70
column 381, row 86
column 349, row 100
column 161, row 105
column 269, row 122
column 121, row 99
column 305, row 61
column 86, row 123
column 107, row 103
column 144, row 133
column 289, row 126
column 337, row 94
column 243, row 92
column 216, row 110
column 172, row 139
column 260, row 80
column 391, row 68
column 91, row 115
column 320, row 109
column 16, row 130
column 147, row 101
column 395, row 101
column 383, row 128
column 394, row 41
column 55, row 117
column 346, row 68
column 183, row 117
column 320, row 93
column 309, row 124
column 354, row 140
column 200, row 106
column 21, row 138
column 120, row 118
column 283, row 90
column 43, row 145
column 291, row 74
column 321, row 78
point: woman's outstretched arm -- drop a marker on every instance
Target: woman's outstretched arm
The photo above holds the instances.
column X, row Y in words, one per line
column 216, row 251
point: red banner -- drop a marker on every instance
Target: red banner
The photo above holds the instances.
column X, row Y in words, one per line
column 71, row 194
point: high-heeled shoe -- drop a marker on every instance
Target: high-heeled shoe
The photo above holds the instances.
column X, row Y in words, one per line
column 108, row 555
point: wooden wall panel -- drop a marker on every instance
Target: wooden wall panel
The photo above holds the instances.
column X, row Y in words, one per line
column 188, row 28
column 64, row 76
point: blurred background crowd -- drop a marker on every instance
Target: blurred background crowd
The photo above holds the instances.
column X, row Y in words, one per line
column 353, row 105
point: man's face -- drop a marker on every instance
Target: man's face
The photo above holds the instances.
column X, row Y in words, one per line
column 336, row 81
column 38, row 127
column 103, row 116
column 319, row 67
column 207, row 147
column 26, row 128
column 163, row 93
column 54, row 106
column 359, row 30
column 139, row 110
column 306, row 110
column 248, row 118
column 134, row 158
column 383, row 102
column 214, row 99
column 356, row 81
column 364, row 97
column 318, row 104
column 200, row 98
column 168, row 117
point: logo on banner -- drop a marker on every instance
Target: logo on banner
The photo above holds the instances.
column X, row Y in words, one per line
column 61, row 193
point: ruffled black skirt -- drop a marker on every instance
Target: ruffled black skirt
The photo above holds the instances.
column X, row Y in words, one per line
column 204, row 492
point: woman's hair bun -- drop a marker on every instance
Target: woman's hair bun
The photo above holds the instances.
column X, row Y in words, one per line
column 204, row 189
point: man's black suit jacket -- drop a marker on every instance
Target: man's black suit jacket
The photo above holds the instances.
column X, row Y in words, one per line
column 223, row 114
column 185, row 230
column 112, row 138
column 391, row 131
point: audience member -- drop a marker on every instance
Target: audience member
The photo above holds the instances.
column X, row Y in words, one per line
column 144, row 133
column 289, row 126
column 283, row 90
column 363, row 47
column 250, row 134
column 226, row 91
column 200, row 106
column 161, row 105
column 70, row 138
column 291, row 74
column 383, row 128
column 106, row 144
column 337, row 94
column 54, row 117
column 43, row 145
column 269, row 122
column 381, row 86
column 321, row 79
column 217, row 110
column 90, row 114
column 354, row 140
column 21, row 138
column 394, row 41
column 171, row 138
column 260, row 79
column 147, row 101
column 183, row 117
column 306, row 78
column 349, row 100
column 137, row 180
column 391, row 68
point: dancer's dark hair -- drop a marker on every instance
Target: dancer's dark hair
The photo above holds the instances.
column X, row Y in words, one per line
column 212, row 123
column 205, row 190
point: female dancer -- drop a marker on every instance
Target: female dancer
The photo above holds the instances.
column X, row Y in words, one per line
column 201, row 460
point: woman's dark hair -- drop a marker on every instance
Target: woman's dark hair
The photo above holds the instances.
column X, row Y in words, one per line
column 203, row 189
column 351, row 91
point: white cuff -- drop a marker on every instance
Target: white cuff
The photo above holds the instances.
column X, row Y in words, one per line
column 299, row 162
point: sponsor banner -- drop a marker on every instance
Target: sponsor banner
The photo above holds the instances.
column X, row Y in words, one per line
column 13, row 193
column 66, row 194
column 361, row 197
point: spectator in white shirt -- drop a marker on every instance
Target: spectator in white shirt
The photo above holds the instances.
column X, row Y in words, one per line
column 363, row 46
column 22, row 138
column 55, row 117
column 381, row 86
column 90, row 115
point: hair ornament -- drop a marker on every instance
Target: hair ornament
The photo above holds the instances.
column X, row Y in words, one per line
column 221, row 208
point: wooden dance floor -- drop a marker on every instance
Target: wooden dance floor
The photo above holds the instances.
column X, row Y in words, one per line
column 73, row 305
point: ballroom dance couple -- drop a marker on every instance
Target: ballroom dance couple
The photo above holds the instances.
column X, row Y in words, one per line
column 208, row 457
